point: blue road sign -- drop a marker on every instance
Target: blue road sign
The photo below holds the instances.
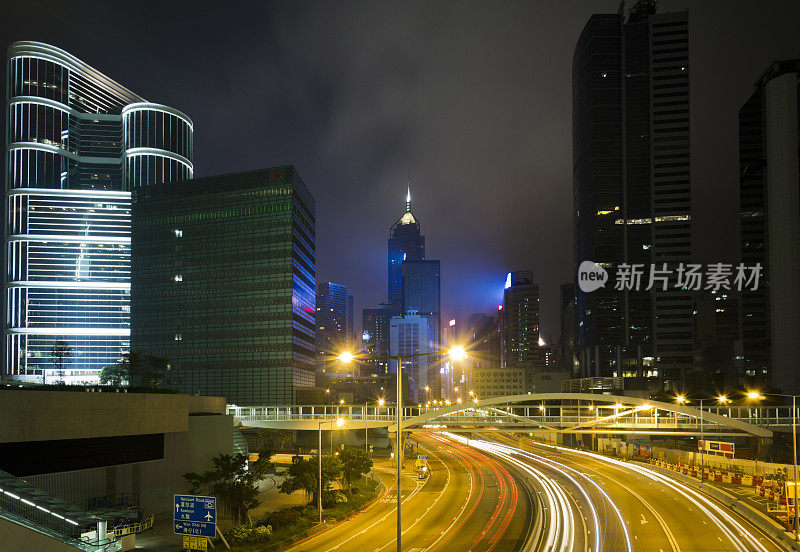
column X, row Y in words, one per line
column 422, row 456
column 196, row 528
column 195, row 508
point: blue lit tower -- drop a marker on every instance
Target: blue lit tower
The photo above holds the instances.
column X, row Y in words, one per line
column 77, row 143
column 405, row 244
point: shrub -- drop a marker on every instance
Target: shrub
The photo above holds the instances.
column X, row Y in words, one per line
column 281, row 518
column 243, row 534
column 332, row 498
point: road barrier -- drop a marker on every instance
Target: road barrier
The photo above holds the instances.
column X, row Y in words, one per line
column 765, row 523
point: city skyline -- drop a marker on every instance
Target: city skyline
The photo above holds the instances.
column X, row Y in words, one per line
column 449, row 185
column 536, row 290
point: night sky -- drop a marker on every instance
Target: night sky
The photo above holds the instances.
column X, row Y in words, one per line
column 472, row 100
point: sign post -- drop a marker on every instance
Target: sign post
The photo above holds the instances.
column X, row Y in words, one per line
column 196, row 518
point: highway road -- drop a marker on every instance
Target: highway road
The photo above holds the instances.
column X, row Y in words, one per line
column 601, row 504
column 471, row 502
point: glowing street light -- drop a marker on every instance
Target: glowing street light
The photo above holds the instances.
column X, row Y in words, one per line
column 339, row 422
column 457, row 353
column 680, row 399
column 381, row 402
column 722, row 399
column 754, row 395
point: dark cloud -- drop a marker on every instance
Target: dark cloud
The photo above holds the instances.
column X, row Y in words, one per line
column 471, row 99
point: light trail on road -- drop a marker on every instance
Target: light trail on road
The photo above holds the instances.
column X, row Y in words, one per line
column 738, row 533
column 561, row 528
column 724, row 521
column 507, row 500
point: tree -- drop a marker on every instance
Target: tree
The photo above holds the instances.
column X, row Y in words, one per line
column 115, row 374
column 304, row 475
column 355, row 463
column 131, row 366
column 144, row 370
column 154, row 370
column 233, row 483
column 61, row 352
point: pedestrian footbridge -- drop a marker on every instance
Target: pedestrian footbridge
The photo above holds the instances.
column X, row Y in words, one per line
column 540, row 412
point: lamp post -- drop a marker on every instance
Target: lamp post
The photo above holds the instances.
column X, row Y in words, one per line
column 757, row 396
column 455, row 353
column 339, row 422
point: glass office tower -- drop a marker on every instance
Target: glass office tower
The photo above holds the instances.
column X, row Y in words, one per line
column 223, row 284
column 76, row 143
column 631, row 191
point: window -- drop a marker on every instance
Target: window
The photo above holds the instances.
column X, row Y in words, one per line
column 178, row 277
column 178, row 233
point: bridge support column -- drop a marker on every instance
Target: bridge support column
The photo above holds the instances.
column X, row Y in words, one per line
column 760, row 446
column 393, row 441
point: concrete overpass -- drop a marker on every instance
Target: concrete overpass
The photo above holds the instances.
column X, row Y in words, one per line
column 566, row 413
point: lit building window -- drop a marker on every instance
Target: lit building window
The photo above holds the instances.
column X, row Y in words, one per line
column 179, row 277
column 178, row 233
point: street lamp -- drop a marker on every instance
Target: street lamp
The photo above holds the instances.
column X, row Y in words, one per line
column 681, row 399
column 455, row 353
column 339, row 422
column 755, row 395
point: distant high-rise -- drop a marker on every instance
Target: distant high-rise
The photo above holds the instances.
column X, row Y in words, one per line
column 412, row 334
column 223, row 284
column 334, row 326
column 631, row 189
column 78, row 143
column 567, row 343
column 375, row 335
column 770, row 227
column 405, row 244
column 421, row 288
column 520, row 327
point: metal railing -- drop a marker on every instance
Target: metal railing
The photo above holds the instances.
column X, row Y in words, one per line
column 122, row 530
column 771, row 416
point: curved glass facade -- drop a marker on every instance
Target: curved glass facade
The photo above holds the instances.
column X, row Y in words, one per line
column 158, row 144
column 78, row 142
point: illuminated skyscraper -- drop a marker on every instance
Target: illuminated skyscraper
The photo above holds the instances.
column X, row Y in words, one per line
column 405, row 244
column 520, row 328
column 412, row 334
column 78, row 142
column 631, row 189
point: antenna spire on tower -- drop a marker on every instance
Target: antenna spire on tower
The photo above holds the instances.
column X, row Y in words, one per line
column 408, row 197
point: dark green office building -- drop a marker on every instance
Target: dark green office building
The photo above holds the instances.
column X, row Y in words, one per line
column 223, row 282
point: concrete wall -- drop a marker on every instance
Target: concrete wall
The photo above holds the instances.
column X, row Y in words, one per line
column 155, row 481
column 54, row 415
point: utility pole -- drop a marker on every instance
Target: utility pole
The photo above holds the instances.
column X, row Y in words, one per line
column 399, row 361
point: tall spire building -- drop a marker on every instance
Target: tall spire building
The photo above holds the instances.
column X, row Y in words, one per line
column 405, row 244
